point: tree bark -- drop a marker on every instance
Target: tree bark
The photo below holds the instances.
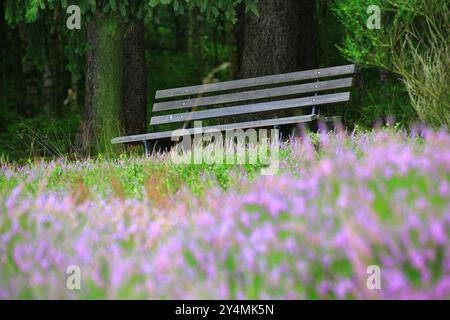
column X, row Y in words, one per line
column 134, row 101
column 85, row 135
column 195, row 37
column 103, row 96
column 283, row 38
column 180, row 36
column 239, row 31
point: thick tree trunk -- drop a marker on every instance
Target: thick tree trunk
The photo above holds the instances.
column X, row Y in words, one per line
column 103, row 96
column 85, row 135
column 283, row 38
column 134, row 101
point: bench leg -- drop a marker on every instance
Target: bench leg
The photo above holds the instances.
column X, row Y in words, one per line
column 147, row 153
column 277, row 127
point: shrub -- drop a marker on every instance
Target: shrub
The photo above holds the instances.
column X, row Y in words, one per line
column 412, row 43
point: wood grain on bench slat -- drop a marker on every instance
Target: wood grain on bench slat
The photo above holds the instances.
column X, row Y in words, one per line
column 253, row 95
column 222, row 127
column 254, row 82
column 251, row 108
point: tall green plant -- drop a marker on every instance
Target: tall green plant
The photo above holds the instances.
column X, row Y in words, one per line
column 412, row 42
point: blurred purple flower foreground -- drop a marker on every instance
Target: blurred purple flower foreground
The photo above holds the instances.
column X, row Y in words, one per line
column 370, row 199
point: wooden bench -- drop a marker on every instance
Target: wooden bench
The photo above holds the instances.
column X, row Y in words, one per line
column 262, row 98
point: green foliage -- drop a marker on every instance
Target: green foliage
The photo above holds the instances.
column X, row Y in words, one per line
column 42, row 136
column 41, row 19
column 38, row 17
column 412, row 43
column 30, row 11
column 373, row 102
column 131, row 177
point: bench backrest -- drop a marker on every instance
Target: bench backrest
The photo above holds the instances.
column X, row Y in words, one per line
column 232, row 99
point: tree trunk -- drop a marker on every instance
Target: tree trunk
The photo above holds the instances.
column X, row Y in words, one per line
column 103, row 96
column 283, row 38
column 60, row 76
column 180, row 37
column 239, row 30
column 134, row 102
column 190, row 32
column 55, row 77
column 85, row 135
column 195, row 37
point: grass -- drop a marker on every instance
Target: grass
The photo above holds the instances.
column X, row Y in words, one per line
column 128, row 176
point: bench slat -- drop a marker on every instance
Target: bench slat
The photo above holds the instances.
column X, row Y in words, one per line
column 251, row 108
column 254, row 82
column 222, row 127
column 253, row 95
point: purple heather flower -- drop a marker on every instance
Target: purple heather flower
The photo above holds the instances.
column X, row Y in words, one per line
column 343, row 288
column 438, row 233
column 444, row 189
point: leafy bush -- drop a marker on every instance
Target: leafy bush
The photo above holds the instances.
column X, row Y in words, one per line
column 373, row 102
column 412, row 43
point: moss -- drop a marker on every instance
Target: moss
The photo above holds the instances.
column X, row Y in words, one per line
column 110, row 31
